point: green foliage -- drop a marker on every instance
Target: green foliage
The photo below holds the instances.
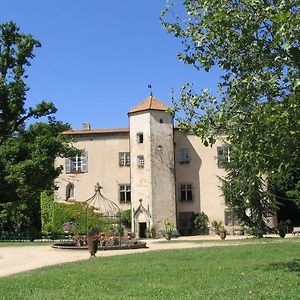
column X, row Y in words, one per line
column 294, row 193
column 84, row 218
column 257, row 46
column 27, row 153
column 283, row 227
column 16, row 51
column 47, row 212
column 255, row 231
column 12, row 216
column 151, row 232
column 216, row 224
column 168, row 225
column 260, row 271
column 125, row 218
column 201, row 222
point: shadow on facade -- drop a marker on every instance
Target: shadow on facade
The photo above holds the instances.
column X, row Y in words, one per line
column 187, row 172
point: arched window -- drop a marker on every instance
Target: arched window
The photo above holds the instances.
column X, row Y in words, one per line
column 70, row 191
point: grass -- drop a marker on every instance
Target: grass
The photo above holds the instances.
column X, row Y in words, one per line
column 249, row 240
column 22, row 244
column 256, row 271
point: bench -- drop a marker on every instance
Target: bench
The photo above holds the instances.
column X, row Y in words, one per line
column 296, row 230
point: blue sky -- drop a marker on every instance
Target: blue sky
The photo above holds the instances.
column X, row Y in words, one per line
column 98, row 57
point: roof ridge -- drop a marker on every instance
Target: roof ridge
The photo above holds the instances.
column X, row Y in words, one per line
column 150, row 103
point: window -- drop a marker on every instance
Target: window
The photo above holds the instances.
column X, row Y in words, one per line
column 124, row 193
column 124, row 159
column 184, row 157
column 70, row 191
column 77, row 164
column 140, row 138
column 230, row 220
column 140, row 161
column 186, row 193
column 223, row 155
column 161, row 121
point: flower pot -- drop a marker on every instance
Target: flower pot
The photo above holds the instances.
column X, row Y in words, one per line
column 92, row 245
column 217, row 231
column 168, row 235
column 223, row 235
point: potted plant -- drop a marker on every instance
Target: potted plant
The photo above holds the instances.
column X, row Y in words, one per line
column 92, row 242
column 223, row 232
column 282, row 228
column 168, row 229
column 150, row 232
column 216, row 225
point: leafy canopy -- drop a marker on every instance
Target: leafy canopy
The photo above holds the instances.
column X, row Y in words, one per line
column 27, row 153
column 256, row 43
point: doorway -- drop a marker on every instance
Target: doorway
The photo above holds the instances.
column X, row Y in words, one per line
column 142, row 229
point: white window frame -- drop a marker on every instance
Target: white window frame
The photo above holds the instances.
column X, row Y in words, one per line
column 77, row 164
column 124, row 159
column 140, row 161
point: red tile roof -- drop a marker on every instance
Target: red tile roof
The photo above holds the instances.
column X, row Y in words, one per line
column 93, row 131
column 150, row 103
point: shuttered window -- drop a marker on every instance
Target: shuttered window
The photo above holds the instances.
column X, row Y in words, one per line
column 77, row 164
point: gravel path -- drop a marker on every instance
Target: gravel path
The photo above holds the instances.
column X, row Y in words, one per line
column 19, row 259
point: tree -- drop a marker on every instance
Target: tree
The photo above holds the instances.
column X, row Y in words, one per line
column 27, row 153
column 16, row 51
column 256, row 44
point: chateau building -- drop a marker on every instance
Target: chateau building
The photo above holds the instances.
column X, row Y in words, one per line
column 151, row 168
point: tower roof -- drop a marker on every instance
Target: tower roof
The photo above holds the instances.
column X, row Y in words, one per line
column 150, row 103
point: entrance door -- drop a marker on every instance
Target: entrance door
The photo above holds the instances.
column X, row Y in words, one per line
column 142, row 229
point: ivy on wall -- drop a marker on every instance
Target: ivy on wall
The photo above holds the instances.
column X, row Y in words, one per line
column 55, row 215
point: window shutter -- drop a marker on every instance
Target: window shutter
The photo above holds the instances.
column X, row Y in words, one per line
column 84, row 160
column 68, row 165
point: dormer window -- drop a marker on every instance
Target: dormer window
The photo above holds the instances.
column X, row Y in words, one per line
column 140, row 138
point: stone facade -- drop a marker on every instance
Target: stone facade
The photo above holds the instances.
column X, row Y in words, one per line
column 151, row 168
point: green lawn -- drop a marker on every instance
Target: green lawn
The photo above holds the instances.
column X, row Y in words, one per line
column 248, row 240
column 260, row 271
column 22, row 244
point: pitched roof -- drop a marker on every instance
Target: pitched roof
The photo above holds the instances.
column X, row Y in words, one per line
column 97, row 131
column 150, row 103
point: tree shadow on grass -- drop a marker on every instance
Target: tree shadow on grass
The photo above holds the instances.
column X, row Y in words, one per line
column 290, row 266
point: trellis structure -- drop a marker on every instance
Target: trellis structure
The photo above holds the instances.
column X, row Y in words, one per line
column 102, row 205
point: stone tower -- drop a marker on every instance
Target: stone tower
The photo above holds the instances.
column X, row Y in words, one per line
column 152, row 166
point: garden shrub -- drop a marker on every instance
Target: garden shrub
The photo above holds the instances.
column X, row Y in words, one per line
column 201, row 222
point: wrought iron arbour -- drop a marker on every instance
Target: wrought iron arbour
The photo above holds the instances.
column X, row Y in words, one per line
column 102, row 205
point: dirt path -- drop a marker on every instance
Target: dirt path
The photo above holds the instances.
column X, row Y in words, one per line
column 19, row 259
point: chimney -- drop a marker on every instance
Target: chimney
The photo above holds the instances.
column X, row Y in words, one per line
column 86, row 126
